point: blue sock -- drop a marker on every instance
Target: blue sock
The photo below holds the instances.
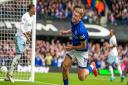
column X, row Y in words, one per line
column 90, row 69
column 65, row 82
column 123, row 74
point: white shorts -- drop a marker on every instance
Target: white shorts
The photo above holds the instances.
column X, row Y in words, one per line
column 80, row 57
column 20, row 45
column 112, row 59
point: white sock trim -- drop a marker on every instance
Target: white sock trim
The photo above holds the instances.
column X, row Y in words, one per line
column 92, row 66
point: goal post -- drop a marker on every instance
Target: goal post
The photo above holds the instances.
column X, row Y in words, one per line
column 33, row 45
column 11, row 12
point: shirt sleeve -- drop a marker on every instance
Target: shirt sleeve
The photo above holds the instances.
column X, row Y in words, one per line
column 23, row 21
column 114, row 42
column 82, row 36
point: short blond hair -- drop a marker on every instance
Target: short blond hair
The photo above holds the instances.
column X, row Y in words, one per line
column 80, row 10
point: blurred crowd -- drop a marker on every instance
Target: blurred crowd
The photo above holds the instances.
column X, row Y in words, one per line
column 52, row 53
column 14, row 9
column 62, row 9
column 117, row 10
column 100, row 52
column 7, row 48
column 8, row 52
column 118, row 13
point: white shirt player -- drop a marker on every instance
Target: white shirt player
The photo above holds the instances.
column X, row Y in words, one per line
column 25, row 25
column 113, row 51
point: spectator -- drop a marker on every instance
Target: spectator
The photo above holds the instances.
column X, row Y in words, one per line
column 39, row 61
column 48, row 59
column 61, row 9
column 51, row 53
column 100, row 8
column 118, row 12
column 39, row 9
column 54, row 62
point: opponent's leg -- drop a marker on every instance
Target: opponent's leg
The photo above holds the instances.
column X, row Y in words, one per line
column 14, row 64
column 112, row 73
column 110, row 61
column 121, row 72
column 119, row 69
column 20, row 48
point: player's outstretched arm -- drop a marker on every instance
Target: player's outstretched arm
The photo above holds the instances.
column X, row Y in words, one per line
column 112, row 46
column 79, row 47
column 109, row 45
column 66, row 32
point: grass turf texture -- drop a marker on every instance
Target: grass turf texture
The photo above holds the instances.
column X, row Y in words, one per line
column 56, row 79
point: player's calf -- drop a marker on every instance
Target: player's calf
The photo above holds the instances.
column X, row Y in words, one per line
column 65, row 69
column 15, row 62
column 9, row 78
column 94, row 69
column 65, row 73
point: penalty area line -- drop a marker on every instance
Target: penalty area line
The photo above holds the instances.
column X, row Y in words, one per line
column 45, row 83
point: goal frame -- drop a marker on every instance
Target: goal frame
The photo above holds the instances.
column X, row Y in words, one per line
column 32, row 74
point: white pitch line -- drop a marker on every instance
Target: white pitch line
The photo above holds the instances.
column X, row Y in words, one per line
column 46, row 83
column 103, row 79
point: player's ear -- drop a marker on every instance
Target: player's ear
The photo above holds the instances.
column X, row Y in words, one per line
column 81, row 16
column 82, row 13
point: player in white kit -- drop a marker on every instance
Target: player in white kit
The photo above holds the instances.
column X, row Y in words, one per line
column 113, row 56
column 22, row 38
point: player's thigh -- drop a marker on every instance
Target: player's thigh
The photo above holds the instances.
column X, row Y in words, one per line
column 81, row 70
column 20, row 45
column 67, row 62
column 82, row 65
column 82, row 61
column 70, row 56
column 117, row 61
column 111, row 59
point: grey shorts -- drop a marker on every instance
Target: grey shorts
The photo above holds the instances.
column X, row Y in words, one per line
column 80, row 57
column 112, row 59
column 20, row 45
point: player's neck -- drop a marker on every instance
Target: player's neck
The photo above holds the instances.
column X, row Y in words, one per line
column 76, row 22
column 30, row 14
column 111, row 36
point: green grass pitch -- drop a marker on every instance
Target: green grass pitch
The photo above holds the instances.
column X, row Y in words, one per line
column 56, row 79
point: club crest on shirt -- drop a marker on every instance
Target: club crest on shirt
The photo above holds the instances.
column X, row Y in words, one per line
column 76, row 33
column 74, row 36
column 82, row 37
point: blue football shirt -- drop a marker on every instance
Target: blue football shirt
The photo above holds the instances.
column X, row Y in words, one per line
column 79, row 33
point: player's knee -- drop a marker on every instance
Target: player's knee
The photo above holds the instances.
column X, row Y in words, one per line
column 64, row 67
column 81, row 78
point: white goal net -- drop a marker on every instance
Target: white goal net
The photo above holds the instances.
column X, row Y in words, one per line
column 11, row 12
